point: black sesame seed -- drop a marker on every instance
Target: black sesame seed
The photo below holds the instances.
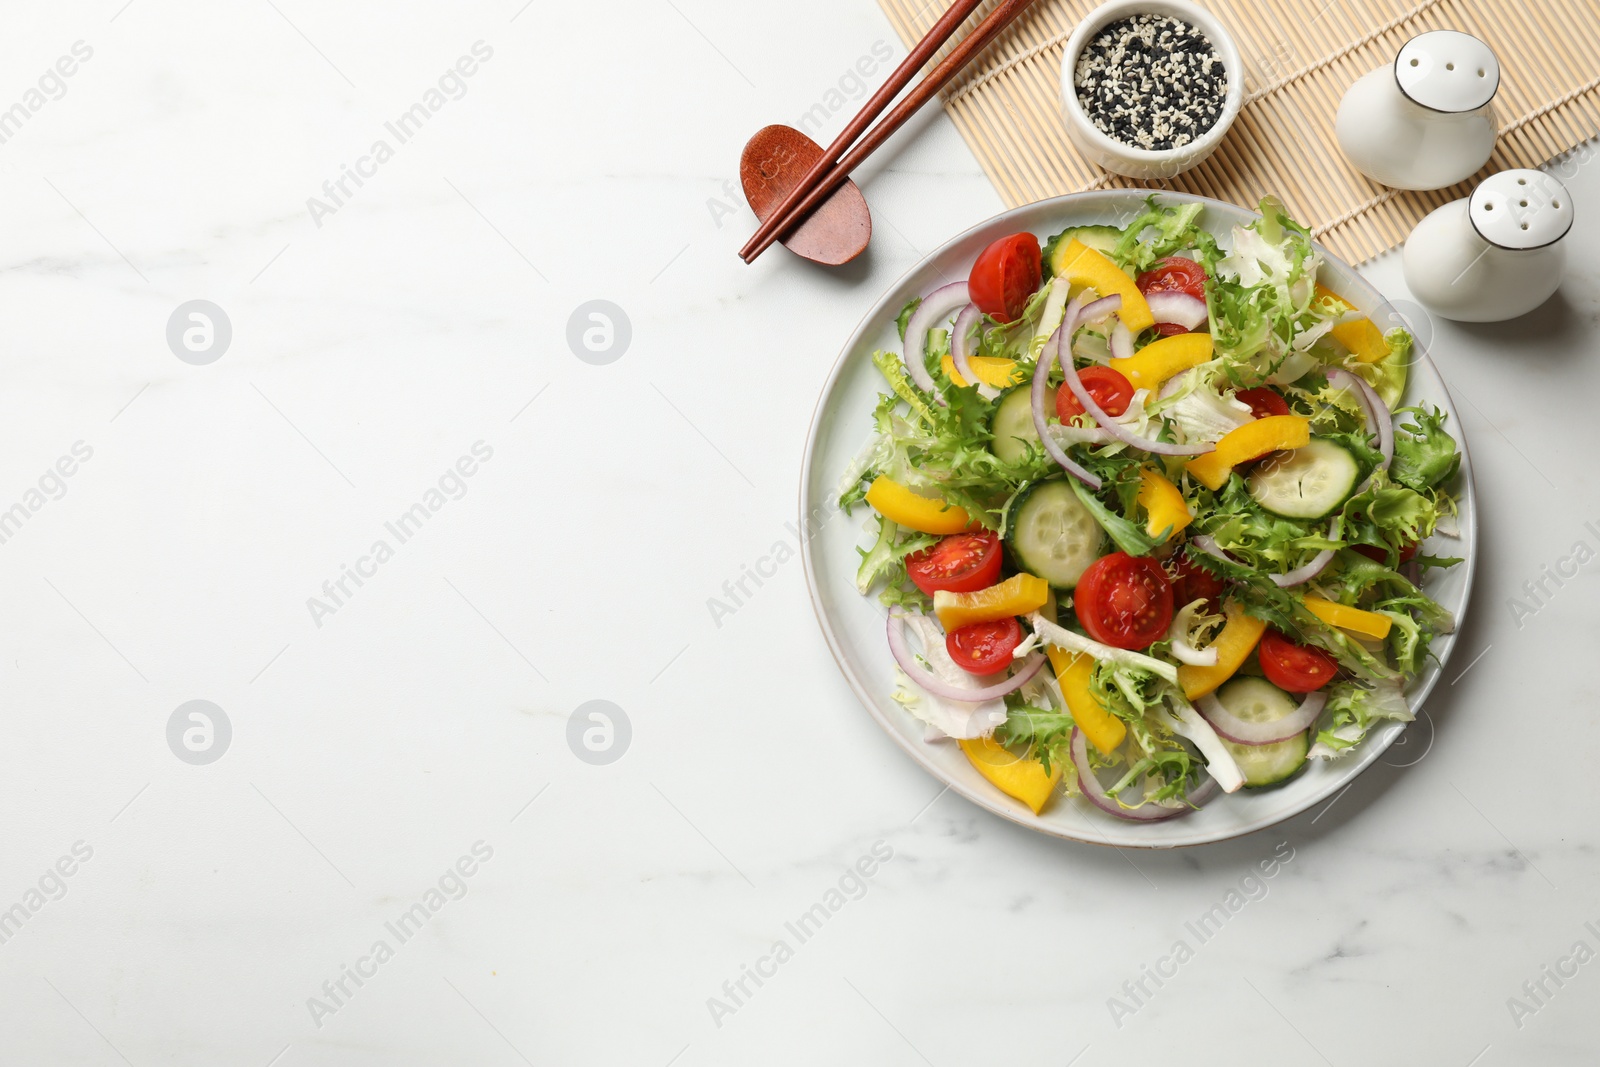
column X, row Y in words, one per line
column 1151, row 81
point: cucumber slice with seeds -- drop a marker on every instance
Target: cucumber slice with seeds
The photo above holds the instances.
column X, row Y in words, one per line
column 1052, row 535
column 1265, row 766
column 1011, row 425
column 1310, row 482
column 1258, row 700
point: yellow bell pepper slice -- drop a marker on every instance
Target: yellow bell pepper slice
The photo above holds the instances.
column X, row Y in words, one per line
column 1163, row 503
column 991, row 370
column 1083, row 265
column 1238, row 639
column 1020, row 594
column 1015, row 776
column 1250, row 441
column 1160, row 360
column 912, row 510
column 1360, row 336
column 1074, row 670
column 1369, row 623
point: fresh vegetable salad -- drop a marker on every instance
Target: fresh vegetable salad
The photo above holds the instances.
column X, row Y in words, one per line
column 1147, row 516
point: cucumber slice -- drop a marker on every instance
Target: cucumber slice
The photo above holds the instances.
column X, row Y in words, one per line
column 1100, row 238
column 1052, row 535
column 1011, row 425
column 1308, row 483
column 1258, row 700
column 1264, row 766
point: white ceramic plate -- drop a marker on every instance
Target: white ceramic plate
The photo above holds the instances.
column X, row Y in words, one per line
column 854, row 625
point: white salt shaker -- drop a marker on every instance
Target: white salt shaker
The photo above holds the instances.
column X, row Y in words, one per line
column 1494, row 255
column 1424, row 123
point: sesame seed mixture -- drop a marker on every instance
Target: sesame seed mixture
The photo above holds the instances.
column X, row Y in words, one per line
column 1151, row 81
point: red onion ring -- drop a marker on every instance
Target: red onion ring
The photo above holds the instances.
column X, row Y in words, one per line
column 1299, row 576
column 928, row 681
column 1181, row 308
column 1307, row 571
column 1304, row 573
column 958, row 343
column 936, row 307
column 1235, row 729
column 1041, row 380
column 1377, row 411
column 1207, row 544
column 1099, row 309
column 1115, row 429
column 1204, row 792
column 1105, row 801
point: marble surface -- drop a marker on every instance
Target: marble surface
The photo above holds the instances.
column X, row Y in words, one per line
column 404, row 849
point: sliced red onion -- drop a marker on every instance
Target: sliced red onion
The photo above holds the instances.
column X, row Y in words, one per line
column 1180, row 308
column 1099, row 309
column 1240, row 732
column 958, row 345
column 1207, row 544
column 1204, row 792
column 928, row 681
column 1116, row 429
column 935, row 308
column 1304, row 573
column 1041, row 382
column 1299, row 576
column 1307, row 571
column 1121, row 342
column 1105, row 801
column 1377, row 411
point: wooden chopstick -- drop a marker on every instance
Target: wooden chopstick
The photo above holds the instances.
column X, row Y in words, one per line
column 802, row 200
column 931, row 42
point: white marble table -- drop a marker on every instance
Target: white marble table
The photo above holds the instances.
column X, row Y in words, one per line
column 398, row 856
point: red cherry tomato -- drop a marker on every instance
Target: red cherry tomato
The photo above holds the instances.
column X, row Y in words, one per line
column 984, row 647
column 1191, row 582
column 1169, row 329
column 1374, row 553
column 961, row 563
column 1124, row 601
column 1006, row 274
column 1294, row 668
column 1264, row 401
column 1109, row 388
column 1174, row 275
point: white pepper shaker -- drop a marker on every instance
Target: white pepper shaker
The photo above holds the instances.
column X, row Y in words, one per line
column 1425, row 122
column 1493, row 255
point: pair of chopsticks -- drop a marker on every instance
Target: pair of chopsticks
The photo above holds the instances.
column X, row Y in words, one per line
column 830, row 170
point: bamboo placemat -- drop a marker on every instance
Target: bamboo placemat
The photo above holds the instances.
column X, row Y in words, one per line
column 1300, row 56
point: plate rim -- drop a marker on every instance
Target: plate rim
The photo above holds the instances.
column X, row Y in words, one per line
column 993, row 804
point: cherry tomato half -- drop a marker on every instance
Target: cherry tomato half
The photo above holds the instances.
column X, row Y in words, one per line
column 1372, row 552
column 1294, row 668
column 961, row 563
column 1264, row 401
column 1109, row 388
column 1169, row 329
column 1124, row 601
column 1191, row 582
column 1006, row 274
column 1174, row 275
column 984, row 647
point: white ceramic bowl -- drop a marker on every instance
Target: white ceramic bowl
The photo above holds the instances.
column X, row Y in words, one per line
column 1114, row 155
column 854, row 625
